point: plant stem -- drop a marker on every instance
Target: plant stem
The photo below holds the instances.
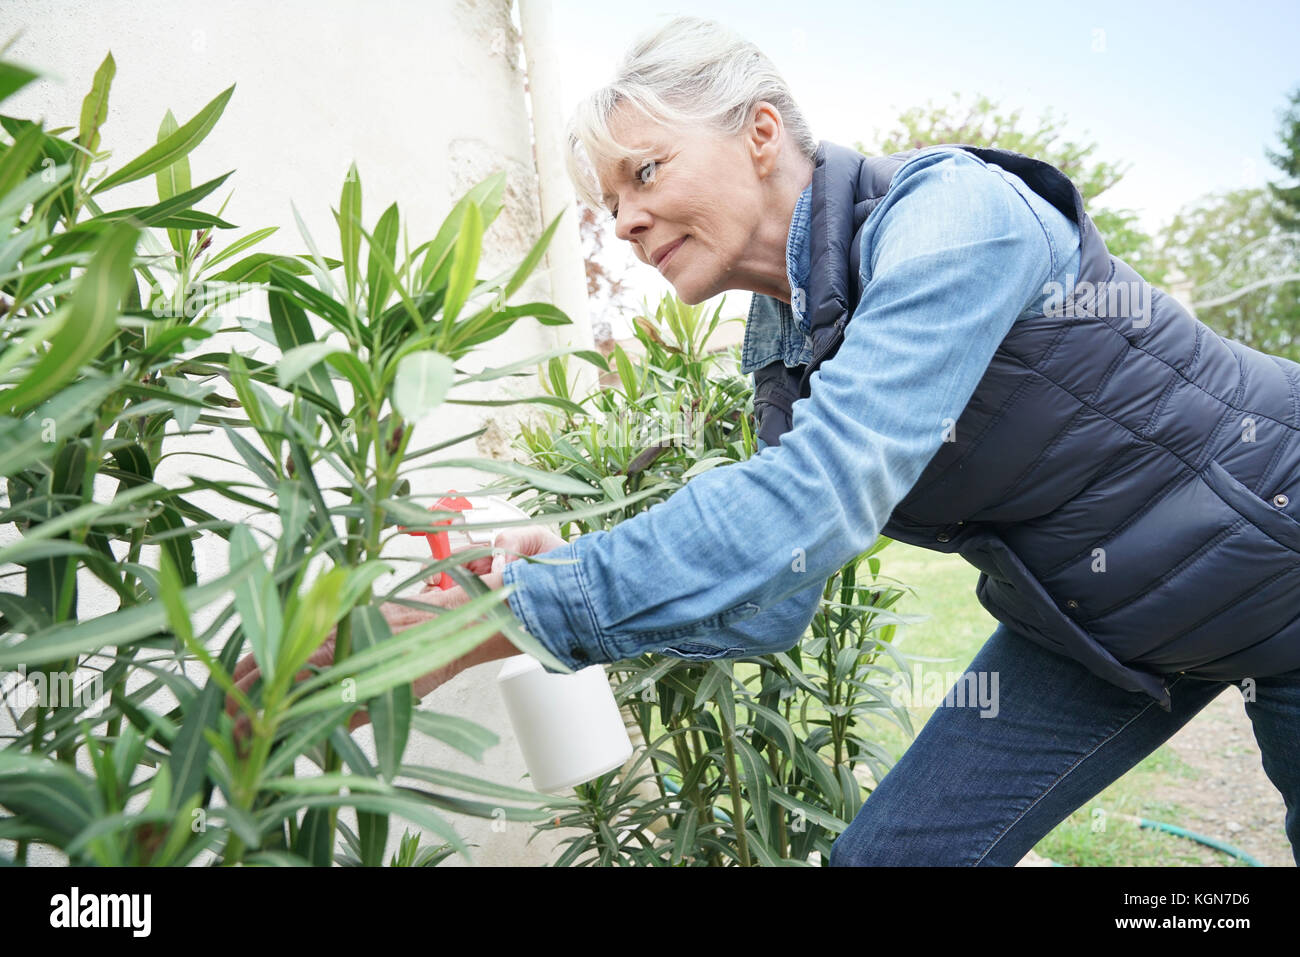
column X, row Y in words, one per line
column 737, row 817
column 782, row 837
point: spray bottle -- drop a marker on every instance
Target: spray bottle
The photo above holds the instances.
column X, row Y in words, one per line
column 569, row 727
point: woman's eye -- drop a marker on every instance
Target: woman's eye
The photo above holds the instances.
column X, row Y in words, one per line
column 645, row 174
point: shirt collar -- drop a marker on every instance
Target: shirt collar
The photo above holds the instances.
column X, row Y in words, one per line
column 774, row 330
column 798, row 257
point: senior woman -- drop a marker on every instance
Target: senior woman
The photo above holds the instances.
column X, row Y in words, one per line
column 944, row 352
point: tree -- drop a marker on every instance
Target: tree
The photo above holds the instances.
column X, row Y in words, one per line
column 1287, row 209
column 984, row 123
column 1231, row 250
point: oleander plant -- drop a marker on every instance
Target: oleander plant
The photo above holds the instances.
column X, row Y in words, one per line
column 110, row 362
column 740, row 761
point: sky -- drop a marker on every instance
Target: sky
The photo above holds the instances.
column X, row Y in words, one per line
column 1185, row 95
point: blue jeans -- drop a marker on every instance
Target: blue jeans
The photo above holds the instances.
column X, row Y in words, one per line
column 974, row 790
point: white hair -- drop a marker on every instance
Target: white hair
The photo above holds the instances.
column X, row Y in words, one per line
column 691, row 71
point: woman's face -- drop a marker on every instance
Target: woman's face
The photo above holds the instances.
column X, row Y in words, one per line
column 707, row 195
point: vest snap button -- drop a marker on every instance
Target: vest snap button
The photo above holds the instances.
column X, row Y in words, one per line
column 1280, row 500
column 1072, row 604
column 942, row 536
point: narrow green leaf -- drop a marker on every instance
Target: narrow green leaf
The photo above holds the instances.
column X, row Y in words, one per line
column 469, row 244
column 315, row 837
column 90, row 325
column 383, row 248
column 94, row 108
column 461, row 733
column 179, row 144
column 755, row 773
column 13, row 78
column 299, row 360
column 69, row 638
column 809, row 812
column 349, row 216
column 257, row 602
column 390, row 710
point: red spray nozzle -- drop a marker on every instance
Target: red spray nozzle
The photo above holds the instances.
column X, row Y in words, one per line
column 439, row 544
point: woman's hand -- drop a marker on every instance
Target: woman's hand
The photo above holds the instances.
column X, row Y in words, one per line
column 527, row 540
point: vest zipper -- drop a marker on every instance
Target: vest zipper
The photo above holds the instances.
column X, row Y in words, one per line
column 830, row 341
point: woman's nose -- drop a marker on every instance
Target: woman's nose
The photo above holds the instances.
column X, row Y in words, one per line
column 632, row 221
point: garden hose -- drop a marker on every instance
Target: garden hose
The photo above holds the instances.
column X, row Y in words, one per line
column 1218, row 845
column 1184, row 832
column 677, row 789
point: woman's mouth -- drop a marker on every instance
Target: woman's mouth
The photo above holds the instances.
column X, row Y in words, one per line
column 671, row 253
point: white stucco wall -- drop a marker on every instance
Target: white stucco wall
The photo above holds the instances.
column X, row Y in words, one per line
column 428, row 98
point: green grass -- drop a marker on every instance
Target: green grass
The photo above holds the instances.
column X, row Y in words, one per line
column 957, row 628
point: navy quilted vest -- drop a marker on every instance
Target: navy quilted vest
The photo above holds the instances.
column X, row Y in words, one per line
column 1126, row 480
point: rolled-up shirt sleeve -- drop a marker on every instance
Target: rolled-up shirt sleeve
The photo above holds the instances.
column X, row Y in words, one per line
column 734, row 562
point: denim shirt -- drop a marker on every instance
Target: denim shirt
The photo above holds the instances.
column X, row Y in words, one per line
column 734, row 563
column 777, row 330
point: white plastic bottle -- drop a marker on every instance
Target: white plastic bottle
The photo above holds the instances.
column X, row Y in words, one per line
column 569, row 727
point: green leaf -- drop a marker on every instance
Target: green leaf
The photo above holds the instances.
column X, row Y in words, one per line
column 28, row 440
column 814, row 814
column 173, row 209
column 390, row 710
column 417, row 651
column 91, row 321
column 464, row 782
column 627, row 374
column 94, row 108
column 299, row 360
column 257, row 602
column 292, row 329
column 703, row 465
column 69, row 638
column 422, row 382
column 356, row 372
column 47, row 793
column 772, row 720
column 17, row 160
column 755, row 774
column 462, row 734
column 373, row 837
column 383, row 247
column 469, row 244
column 239, row 245
column 315, row 837
column 190, row 748
column 684, row 835
column 414, row 811
column 275, row 859
column 308, row 624
column 349, row 217
column 549, row 481
column 174, row 147
column 174, row 179
column 13, row 78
